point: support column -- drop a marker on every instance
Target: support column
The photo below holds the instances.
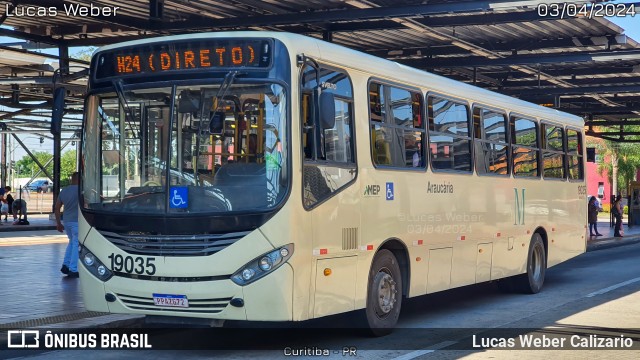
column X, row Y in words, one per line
column 3, row 180
column 63, row 52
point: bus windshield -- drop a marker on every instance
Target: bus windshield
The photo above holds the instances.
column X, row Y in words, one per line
column 186, row 149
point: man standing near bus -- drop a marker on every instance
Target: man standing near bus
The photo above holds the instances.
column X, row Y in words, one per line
column 68, row 198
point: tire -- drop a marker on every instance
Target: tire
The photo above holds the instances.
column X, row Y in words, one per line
column 384, row 294
column 532, row 281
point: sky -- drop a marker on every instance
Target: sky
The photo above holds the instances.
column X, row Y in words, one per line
column 631, row 26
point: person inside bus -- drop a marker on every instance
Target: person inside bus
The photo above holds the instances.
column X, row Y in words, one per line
column 412, row 150
column 617, row 213
column 593, row 216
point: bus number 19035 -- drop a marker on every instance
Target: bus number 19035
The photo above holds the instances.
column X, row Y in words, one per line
column 130, row 264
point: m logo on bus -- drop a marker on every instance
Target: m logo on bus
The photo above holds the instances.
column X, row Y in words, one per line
column 371, row 190
column 519, row 208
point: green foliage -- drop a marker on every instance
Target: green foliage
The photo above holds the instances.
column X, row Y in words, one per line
column 85, row 54
column 68, row 162
column 627, row 156
column 27, row 167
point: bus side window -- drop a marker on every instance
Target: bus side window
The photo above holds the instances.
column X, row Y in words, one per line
column 397, row 130
column 525, row 148
column 450, row 136
column 491, row 148
column 553, row 152
column 329, row 153
column 574, row 155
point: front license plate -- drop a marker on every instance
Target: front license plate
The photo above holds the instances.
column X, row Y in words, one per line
column 170, row 300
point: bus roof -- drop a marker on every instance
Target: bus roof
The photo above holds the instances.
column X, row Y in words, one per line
column 381, row 68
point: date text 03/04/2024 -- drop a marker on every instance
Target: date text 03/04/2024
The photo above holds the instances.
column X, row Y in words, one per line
column 590, row 11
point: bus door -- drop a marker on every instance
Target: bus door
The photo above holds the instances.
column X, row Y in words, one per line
column 330, row 193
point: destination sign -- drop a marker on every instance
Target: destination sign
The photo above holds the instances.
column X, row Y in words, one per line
column 185, row 56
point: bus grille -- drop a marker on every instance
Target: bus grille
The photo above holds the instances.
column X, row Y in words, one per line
column 196, row 306
column 172, row 245
column 349, row 238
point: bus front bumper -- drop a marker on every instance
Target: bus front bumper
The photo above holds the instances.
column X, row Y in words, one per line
column 267, row 299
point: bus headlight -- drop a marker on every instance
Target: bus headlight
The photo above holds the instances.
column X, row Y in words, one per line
column 262, row 265
column 91, row 263
column 89, row 259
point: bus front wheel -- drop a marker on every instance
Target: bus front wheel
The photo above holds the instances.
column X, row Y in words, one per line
column 531, row 282
column 384, row 294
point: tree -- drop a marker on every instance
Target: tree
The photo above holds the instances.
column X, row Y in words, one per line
column 27, row 167
column 85, row 54
column 620, row 161
column 68, row 162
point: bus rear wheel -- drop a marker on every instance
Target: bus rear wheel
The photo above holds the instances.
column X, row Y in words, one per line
column 384, row 294
column 531, row 282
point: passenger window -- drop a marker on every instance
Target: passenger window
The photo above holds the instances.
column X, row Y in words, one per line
column 574, row 155
column 491, row 148
column 449, row 138
column 397, row 129
column 553, row 152
column 524, row 147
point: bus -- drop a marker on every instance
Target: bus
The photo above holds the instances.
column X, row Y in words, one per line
column 269, row 176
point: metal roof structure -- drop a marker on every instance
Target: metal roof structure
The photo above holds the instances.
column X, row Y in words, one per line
column 581, row 62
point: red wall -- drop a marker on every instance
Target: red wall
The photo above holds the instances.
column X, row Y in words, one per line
column 593, row 178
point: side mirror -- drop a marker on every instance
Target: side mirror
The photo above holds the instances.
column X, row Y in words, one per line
column 327, row 110
column 58, row 110
column 216, row 125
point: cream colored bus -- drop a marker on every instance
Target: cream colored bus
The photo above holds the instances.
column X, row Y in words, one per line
column 272, row 176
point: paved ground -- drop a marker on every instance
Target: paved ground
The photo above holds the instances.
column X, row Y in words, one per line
column 595, row 293
column 29, row 273
column 36, row 222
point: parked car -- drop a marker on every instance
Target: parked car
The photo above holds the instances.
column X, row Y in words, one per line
column 41, row 186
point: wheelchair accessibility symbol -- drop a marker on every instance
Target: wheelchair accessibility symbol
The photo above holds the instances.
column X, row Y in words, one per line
column 389, row 191
column 179, row 197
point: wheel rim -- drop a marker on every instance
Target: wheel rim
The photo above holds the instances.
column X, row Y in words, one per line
column 537, row 264
column 386, row 292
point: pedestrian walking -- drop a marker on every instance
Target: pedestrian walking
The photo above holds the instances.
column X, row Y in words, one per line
column 617, row 213
column 68, row 198
column 593, row 216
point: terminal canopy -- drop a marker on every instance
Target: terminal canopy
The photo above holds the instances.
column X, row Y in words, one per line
column 580, row 62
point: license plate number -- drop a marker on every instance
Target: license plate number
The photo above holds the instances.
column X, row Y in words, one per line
column 170, row 300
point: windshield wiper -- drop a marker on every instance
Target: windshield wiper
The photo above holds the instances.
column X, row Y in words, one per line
column 224, row 88
column 128, row 114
